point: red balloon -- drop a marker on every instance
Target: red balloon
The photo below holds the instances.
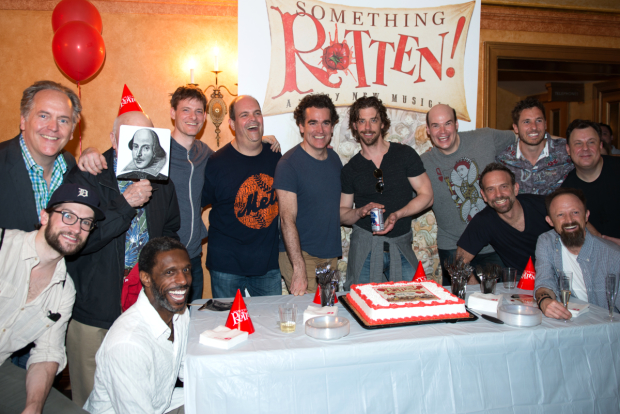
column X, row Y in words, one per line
column 78, row 50
column 76, row 10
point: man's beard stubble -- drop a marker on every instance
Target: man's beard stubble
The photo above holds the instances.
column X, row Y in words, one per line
column 53, row 240
column 160, row 297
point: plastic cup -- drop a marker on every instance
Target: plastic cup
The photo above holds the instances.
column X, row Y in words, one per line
column 288, row 317
column 510, row 278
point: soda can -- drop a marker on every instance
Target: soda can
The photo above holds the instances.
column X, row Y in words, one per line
column 376, row 218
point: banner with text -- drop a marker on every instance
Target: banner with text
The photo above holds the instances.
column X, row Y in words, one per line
column 410, row 58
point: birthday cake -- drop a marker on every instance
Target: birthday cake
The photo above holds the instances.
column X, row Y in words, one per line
column 397, row 302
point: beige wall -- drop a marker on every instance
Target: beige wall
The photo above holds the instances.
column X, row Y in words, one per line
column 506, row 101
column 148, row 52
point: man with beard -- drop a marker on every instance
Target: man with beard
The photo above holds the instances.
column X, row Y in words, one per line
column 454, row 165
column 243, row 231
column 511, row 225
column 307, row 182
column 148, row 157
column 37, row 299
column 143, row 353
column 570, row 247
column 384, row 175
column 539, row 163
column 598, row 176
column 135, row 213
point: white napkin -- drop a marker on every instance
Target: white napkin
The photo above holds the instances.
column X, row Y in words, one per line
column 486, row 302
column 314, row 311
column 578, row 308
column 223, row 337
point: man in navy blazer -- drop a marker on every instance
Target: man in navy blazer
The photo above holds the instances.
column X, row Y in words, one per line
column 33, row 164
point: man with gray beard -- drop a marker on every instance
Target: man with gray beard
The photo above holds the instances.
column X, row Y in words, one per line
column 570, row 247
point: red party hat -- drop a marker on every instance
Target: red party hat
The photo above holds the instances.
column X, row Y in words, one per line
column 317, row 296
column 528, row 277
column 420, row 275
column 239, row 318
column 128, row 103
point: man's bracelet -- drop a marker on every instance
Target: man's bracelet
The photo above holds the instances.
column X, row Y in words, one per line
column 543, row 297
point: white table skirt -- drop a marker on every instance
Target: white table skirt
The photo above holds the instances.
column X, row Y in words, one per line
column 467, row 367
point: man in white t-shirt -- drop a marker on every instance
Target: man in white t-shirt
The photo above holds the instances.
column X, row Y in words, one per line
column 570, row 247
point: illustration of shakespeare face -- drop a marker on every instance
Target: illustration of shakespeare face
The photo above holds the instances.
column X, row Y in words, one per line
column 145, row 148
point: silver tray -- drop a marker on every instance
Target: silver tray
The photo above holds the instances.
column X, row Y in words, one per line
column 327, row 327
column 519, row 315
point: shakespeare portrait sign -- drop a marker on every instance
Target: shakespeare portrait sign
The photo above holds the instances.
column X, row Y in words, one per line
column 411, row 58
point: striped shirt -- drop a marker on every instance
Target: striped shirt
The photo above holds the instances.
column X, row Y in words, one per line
column 42, row 192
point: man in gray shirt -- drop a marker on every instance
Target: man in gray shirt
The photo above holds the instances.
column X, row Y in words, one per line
column 454, row 166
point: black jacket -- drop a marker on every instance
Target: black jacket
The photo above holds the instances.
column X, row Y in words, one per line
column 18, row 209
column 97, row 270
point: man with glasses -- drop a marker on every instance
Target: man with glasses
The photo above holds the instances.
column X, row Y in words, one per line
column 388, row 176
column 37, row 297
column 307, row 182
column 135, row 213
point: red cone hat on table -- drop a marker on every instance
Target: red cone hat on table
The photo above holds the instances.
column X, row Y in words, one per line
column 128, row 103
column 528, row 277
column 420, row 275
column 317, row 296
column 239, row 318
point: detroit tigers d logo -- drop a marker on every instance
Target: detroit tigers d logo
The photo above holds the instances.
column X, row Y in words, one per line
column 256, row 204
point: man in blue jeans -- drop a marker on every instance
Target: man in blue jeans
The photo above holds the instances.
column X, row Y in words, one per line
column 243, row 231
column 384, row 175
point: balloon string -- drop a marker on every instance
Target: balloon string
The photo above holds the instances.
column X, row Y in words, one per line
column 80, row 121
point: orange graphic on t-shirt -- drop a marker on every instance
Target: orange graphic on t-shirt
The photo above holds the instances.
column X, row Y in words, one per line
column 256, row 204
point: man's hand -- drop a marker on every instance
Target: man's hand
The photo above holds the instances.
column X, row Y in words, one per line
column 364, row 211
column 271, row 139
column 92, row 161
column 388, row 225
column 554, row 309
column 612, row 239
column 138, row 193
column 299, row 283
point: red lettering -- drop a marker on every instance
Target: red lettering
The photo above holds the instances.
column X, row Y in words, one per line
column 431, row 59
column 291, row 52
column 381, row 61
column 401, row 52
column 359, row 56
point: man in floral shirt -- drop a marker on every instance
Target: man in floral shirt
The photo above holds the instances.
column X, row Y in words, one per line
column 135, row 212
column 539, row 163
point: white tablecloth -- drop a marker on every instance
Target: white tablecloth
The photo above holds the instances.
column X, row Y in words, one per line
column 468, row 367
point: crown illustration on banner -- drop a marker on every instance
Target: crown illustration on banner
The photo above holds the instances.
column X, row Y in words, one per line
column 420, row 275
column 528, row 278
column 239, row 318
column 128, row 103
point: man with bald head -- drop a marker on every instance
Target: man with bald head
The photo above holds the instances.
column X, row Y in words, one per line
column 135, row 213
column 243, row 231
column 454, row 166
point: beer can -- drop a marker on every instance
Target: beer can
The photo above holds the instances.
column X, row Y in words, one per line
column 376, row 218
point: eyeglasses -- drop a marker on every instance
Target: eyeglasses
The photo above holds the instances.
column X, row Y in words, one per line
column 380, row 184
column 70, row 219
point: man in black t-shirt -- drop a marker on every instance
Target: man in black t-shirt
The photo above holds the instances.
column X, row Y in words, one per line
column 511, row 225
column 598, row 176
column 243, row 231
column 382, row 175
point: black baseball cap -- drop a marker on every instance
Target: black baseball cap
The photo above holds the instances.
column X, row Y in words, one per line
column 77, row 193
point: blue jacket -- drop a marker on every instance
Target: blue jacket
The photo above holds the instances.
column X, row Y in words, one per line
column 597, row 258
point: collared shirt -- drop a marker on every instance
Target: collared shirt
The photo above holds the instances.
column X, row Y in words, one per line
column 22, row 323
column 137, row 366
column 137, row 235
column 39, row 186
column 597, row 258
column 550, row 170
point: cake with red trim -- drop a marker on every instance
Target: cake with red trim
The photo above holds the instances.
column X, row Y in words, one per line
column 397, row 302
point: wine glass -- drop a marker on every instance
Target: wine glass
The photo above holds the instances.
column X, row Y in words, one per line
column 565, row 279
column 611, row 284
